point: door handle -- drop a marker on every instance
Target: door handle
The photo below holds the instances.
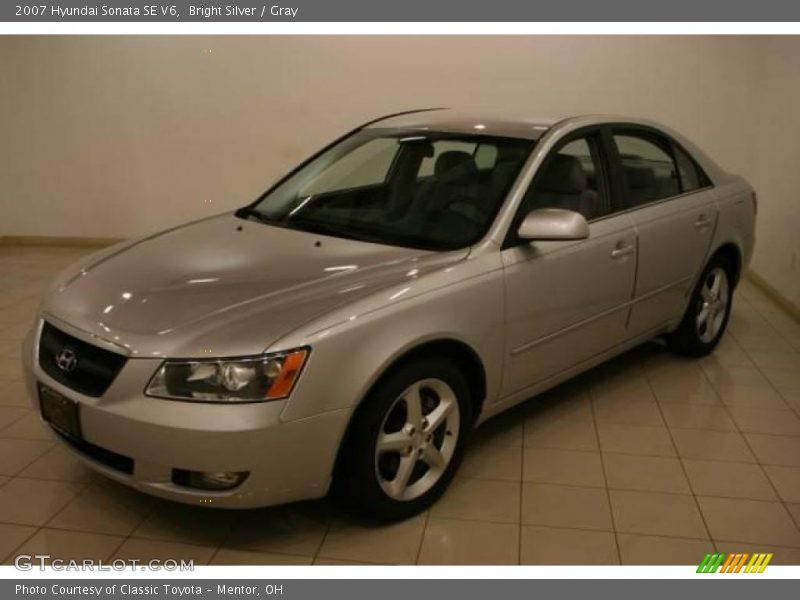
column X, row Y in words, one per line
column 702, row 222
column 621, row 251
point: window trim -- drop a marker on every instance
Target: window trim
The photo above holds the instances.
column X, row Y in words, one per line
column 599, row 151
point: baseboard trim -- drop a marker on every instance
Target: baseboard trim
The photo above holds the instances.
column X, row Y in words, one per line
column 774, row 295
column 51, row 240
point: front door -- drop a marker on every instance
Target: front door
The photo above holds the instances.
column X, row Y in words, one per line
column 568, row 301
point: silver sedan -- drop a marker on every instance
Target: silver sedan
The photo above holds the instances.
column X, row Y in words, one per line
column 347, row 330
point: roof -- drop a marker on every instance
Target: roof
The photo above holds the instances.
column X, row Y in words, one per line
column 467, row 121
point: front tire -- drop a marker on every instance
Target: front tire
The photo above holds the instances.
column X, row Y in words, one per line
column 708, row 312
column 406, row 440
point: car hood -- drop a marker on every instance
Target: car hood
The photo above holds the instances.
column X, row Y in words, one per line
column 224, row 286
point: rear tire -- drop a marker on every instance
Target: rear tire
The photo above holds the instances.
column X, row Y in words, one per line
column 406, row 440
column 708, row 311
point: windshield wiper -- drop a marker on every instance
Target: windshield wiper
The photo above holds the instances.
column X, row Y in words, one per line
column 331, row 229
column 311, row 226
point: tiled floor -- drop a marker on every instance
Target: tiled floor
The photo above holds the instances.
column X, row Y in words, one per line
column 649, row 459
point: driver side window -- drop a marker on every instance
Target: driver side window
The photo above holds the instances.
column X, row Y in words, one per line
column 570, row 178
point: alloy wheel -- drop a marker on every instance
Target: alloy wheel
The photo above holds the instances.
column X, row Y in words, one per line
column 417, row 439
column 713, row 305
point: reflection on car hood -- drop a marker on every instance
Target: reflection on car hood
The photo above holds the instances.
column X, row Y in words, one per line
column 224, row 286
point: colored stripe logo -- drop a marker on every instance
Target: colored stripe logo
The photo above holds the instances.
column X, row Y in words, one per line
column 737, row 562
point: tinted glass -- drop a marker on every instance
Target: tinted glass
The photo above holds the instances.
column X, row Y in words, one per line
column 570, row 178
column 366, row 165
column 429, row 162
column 650, row 173
column 485, row 154
column 429, row 190
column 691, row 176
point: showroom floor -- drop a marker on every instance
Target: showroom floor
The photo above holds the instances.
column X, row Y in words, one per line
column 650, row 459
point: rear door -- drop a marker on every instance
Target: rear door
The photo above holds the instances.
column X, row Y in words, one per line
column 673, row 208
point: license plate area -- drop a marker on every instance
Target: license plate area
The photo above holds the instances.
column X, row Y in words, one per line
column 60, row 412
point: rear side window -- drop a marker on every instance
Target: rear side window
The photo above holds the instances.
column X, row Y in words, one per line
column 486, row 156
column 692, row 178
column 650, row 173
column 442, row 147
column 483, row 153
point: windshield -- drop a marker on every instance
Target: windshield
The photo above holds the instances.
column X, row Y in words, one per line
column 415, row 189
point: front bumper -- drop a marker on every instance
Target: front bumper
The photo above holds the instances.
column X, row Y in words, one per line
column 286, row 460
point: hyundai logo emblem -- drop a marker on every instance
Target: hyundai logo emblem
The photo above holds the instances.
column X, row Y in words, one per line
column 66, row 360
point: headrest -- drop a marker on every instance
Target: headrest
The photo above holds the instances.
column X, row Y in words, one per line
column 640, row 178
column 563, row 174
column 454, row 159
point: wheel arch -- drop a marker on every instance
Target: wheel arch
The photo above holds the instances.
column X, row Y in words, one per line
column 733, row 253
column 461, row 353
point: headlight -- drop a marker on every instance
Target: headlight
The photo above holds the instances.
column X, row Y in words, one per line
column 248, row 379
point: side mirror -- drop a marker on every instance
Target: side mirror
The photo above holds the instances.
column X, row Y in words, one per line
column 553, row 224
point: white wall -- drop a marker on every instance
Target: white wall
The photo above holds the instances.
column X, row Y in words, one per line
column 777, row 167
column 116, row 136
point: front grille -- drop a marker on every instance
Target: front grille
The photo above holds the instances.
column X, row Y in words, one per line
column 90, row 370
column 118, row 462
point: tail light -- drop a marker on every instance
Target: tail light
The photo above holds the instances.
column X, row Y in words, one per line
column 754, row 198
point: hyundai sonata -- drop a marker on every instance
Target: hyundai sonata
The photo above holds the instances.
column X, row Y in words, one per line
column 348, row 329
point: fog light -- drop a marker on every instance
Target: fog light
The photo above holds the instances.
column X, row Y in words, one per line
column 215, row 480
